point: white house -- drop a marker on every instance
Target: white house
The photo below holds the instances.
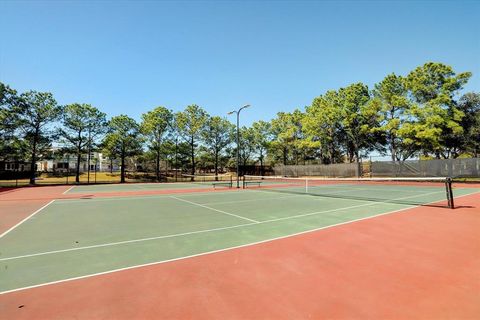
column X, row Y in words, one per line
column 68, row 162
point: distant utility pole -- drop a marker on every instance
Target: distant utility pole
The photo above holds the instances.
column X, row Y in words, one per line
column 238, row 140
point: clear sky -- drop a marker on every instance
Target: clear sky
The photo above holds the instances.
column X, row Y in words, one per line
column 128, row 57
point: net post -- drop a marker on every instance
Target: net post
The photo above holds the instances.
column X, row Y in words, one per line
column 449, row 190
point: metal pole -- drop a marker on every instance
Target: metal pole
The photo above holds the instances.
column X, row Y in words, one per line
column 88, row 160
column 448, row 187
column 238, row 150
column 238, row 141
column 176, row 164
column 68, row 166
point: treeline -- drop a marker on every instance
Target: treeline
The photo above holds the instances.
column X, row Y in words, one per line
column 420, row 113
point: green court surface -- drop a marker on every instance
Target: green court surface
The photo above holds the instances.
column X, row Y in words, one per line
column 80, row 237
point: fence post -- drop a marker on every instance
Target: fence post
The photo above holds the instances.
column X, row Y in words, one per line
column 476, row 166
column 450, row 167
column 371, row 168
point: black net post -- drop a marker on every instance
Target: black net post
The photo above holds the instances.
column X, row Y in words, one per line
column 449, row 190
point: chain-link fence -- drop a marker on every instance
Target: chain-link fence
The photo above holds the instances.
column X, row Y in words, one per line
column 338, row 170
column 455, row 168
column 17, row 179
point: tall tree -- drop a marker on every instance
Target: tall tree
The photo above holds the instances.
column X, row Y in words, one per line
column 262, row 137
column 247, row 145
column 469, row 104
column 391, row 96
column 82, row 124
column 287, row 133
column 123, row 139
column 37, row 111
column 189, row 124
column 10, row 144
column 109, row 149
column 359, row 118
column 322, row 124
column 434, row 114
column 8, row 101
column 155, row 126
column 217, row 135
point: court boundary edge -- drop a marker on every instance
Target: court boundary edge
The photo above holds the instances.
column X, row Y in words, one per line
column 216, row 251
column 210, row 230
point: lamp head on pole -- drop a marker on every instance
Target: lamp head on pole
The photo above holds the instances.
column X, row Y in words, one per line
column 238, row 111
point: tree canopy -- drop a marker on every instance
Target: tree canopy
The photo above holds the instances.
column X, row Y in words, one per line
column 422, row 113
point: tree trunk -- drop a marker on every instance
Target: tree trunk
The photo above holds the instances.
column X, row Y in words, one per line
column 122, row 170
column 79, row 155
column 176, row 159
column 262, row 171
column 32, row 164
column 157, row 165
column 192, row 144
column 216, row 165
column 393, row 148
column 33, row 160
column 332, row 153
column 111, row 165
column 89, row 154
column 77, row 172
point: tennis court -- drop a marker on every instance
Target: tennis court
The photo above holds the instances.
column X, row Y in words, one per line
column 88, row 231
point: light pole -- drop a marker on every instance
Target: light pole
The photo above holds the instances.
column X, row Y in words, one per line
column 238, row 141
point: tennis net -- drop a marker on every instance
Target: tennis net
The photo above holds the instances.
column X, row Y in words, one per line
column 424, row 191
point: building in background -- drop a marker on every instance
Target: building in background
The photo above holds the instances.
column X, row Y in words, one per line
column 64, row 162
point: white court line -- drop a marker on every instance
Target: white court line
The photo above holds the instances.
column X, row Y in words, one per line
column 217, row 251
column 221, row 211
column 358, row 206
column 150, row 196
column 66, row 191
column 253, row 200
column 37, row 211
column 126, row 242
column 205, row 231
column 126, row 185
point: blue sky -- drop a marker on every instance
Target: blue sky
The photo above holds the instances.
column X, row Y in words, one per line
column 128, row 57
